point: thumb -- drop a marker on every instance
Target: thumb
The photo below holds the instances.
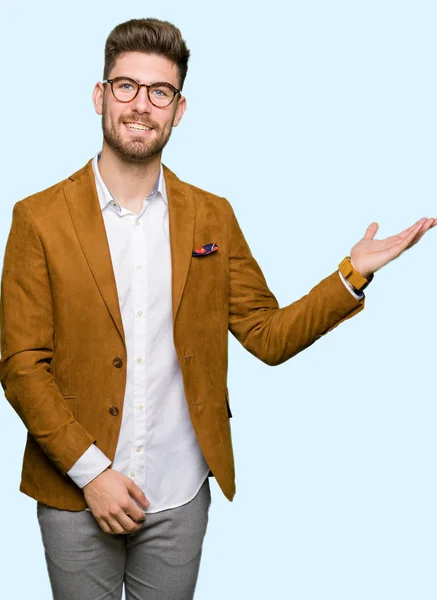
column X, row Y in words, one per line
column 371, row 231
column 138, row 495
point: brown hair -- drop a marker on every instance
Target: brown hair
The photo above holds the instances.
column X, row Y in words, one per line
column 151, row 36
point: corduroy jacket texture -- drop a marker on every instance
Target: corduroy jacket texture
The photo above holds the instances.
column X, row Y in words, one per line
column 63, row 361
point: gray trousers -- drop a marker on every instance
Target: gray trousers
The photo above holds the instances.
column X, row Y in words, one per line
column 159, row 562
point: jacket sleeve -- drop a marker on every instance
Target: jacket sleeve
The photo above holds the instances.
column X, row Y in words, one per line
column 276, row 334
column 26, row 323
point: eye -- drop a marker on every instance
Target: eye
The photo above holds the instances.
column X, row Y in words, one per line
column 161, row 91
column 124, row 85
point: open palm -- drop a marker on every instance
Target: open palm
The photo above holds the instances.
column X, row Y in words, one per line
column 369, row 255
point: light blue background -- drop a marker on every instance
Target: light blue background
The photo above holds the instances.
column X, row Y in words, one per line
column 314, row 119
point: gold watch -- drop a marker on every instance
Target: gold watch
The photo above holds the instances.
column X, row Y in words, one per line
column 357, row 281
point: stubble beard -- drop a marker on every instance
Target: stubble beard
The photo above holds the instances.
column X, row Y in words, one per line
column 135, row 150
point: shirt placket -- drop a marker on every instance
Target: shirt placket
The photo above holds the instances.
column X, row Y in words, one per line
column 140, row 350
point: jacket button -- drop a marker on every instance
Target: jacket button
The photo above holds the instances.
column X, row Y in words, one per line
column 117, row 362
column 114, row 411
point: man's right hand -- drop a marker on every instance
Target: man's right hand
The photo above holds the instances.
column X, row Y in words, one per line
column 113, row 498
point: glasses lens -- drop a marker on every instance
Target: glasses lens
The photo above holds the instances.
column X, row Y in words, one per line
column 124, row 89
column 161, row 94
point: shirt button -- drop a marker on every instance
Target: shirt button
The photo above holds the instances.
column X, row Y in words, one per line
column 113, row 410
column 139, row 360
column 132, row 473
column 140, row 407
column 137, row 222
column 138, row 449
column 117, row 362
column 139, row 313
column 139, row 267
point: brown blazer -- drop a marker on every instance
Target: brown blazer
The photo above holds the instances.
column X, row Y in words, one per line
column 63, row 364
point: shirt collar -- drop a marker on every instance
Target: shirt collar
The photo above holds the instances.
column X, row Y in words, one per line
column 105, row 196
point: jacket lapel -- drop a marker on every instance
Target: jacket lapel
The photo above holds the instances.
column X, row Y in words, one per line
column 83, row 203
column 182, row 219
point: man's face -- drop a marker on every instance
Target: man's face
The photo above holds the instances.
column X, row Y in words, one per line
column 139, row 144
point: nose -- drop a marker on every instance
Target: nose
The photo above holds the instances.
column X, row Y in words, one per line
column 141, row 102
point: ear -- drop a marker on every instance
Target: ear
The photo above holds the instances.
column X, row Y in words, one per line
column 180, row 109
column 98, row 97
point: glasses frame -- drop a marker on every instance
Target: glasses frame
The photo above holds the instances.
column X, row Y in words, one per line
column 140, row 85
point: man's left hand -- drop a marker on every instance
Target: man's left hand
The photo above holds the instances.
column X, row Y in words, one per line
column 369, row 255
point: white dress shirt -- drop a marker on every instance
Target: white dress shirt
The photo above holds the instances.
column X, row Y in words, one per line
column 157, row 446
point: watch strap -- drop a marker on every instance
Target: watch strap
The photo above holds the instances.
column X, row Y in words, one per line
column 352, row 276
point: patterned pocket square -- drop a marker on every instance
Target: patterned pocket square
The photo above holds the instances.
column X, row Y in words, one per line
column 205, row 250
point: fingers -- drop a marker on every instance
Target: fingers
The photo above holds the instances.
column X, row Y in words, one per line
column 138, row 494
column 110, row 525
column 407, row 238
column 425, row 227
column 406, row 241
column 104, row 526
column 115, row 527
column 126, row 522
column 121, row 521
column 427, row 222
column 393, row 239
column 135, row 511
column 398, row 247
column 111, row 498
column 407, row 231
column 122, row 516
column 371, row 231
column 127, row 517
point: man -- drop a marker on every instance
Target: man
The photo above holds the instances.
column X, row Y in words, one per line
column 119, row 286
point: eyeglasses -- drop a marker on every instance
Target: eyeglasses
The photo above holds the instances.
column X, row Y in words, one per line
column 125, row 89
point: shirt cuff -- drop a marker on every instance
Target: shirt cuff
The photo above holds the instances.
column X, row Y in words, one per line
column 88, row 466
column 357, row 295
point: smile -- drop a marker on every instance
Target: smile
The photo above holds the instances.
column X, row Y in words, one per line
column 137, row 127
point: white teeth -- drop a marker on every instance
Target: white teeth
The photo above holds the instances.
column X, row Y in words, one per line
column 137, row 126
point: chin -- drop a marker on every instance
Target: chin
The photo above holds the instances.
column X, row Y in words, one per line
column 138, row 155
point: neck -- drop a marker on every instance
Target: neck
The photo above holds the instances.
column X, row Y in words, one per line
column 129, row 181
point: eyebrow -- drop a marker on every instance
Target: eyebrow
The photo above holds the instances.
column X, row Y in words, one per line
column 153, row 82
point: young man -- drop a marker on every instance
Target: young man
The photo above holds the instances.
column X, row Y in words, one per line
column 119, row 286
